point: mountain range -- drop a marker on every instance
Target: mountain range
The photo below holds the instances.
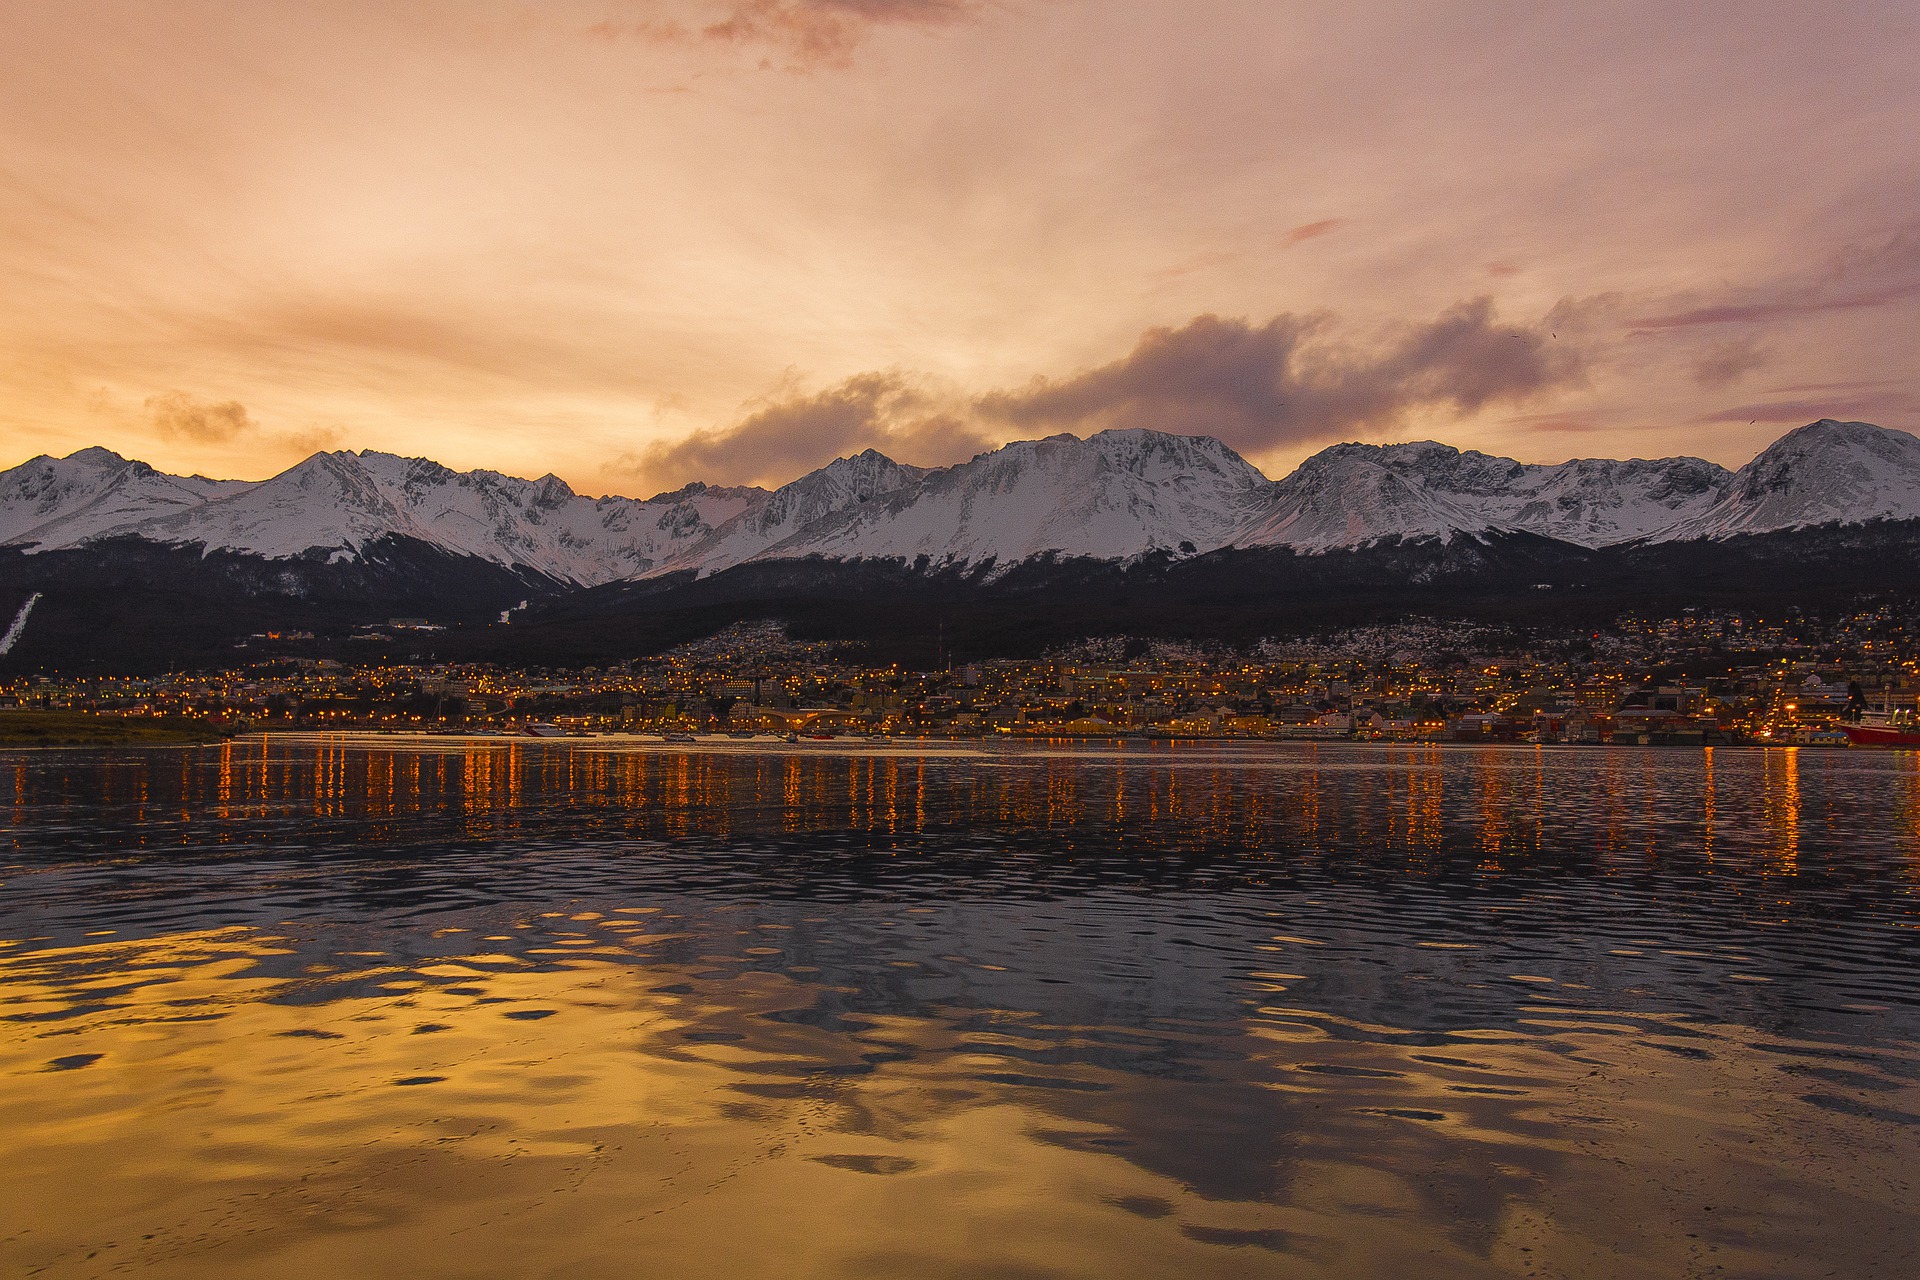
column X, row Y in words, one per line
column 1113, row 496
column 1123, row 530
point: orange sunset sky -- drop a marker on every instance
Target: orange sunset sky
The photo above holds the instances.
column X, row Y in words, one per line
column 638, row 243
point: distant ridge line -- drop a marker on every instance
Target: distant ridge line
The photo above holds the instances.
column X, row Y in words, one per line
column 1115, row 495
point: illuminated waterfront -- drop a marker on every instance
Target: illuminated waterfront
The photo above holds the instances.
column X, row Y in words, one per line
column 309, row 1004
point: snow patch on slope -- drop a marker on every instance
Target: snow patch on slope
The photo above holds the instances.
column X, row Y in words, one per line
column 19, row 625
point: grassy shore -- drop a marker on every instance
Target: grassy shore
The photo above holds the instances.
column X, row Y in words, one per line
column 85, row 729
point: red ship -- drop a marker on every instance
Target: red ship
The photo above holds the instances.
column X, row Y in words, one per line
column 1897, row 727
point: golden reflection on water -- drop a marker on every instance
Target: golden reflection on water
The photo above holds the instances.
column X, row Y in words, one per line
column 561, row 1109
column 1910, row 815
column 1709, row 801
column 621, row 1089
column 341, row 779
column 1493, row 813
column 1415, row 799
column 1780, row 806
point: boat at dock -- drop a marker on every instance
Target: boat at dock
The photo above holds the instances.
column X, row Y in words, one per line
column 1889, row 726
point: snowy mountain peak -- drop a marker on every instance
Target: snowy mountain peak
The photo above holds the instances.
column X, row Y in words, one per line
column 1820, row 449
column 47, row 503
column 695, row 490
column 336, row 504
column 93, row 456
column 1162, row 457
column 869, row 470
column 820, row 495
column 1826, row 472
column 1115, row 495
column 553, row 491
column 1834, row 430
column 1353, row 494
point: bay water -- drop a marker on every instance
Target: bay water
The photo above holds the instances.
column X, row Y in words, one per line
column 338, row 1005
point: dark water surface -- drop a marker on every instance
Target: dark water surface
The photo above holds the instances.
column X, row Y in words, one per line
column 356, row 1007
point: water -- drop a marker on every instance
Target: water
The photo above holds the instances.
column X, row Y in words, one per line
column 337, row 1006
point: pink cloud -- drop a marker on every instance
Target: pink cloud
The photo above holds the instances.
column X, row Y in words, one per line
column 1858, row 277
column 1806, row 410
column 1311, row 230
column 810, row 34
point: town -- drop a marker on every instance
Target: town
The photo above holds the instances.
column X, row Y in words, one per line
column 1694, row 680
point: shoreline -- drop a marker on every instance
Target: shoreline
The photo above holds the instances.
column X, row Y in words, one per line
column 898, row 742
column 66, row 730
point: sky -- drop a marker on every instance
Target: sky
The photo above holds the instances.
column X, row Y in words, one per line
column 637, row 243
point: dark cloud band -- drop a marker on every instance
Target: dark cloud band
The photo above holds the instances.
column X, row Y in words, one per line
column 1292, row 380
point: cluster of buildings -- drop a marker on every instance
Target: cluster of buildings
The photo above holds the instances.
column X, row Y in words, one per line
column 1687, row 681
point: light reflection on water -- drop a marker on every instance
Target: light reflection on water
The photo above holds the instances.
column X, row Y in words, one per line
column 311, row 1006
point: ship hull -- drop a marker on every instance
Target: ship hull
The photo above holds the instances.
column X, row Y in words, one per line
column 1873, row 735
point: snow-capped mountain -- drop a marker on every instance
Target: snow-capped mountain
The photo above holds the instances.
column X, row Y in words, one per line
column 335, row 504
column 1826, row 472
column 1353, row 494
column 841, row 485
column 339, row 502
column 47, row 503
column 1114, row 496
column 1597, row 502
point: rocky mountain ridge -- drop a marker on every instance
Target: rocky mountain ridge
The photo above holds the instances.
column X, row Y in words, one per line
column 1114, row 496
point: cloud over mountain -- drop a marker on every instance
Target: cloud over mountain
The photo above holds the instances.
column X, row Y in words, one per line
column 799, row 431
column 177, row 415
column 1293, row 380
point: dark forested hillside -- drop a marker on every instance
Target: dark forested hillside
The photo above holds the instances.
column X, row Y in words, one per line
column 136, row 606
